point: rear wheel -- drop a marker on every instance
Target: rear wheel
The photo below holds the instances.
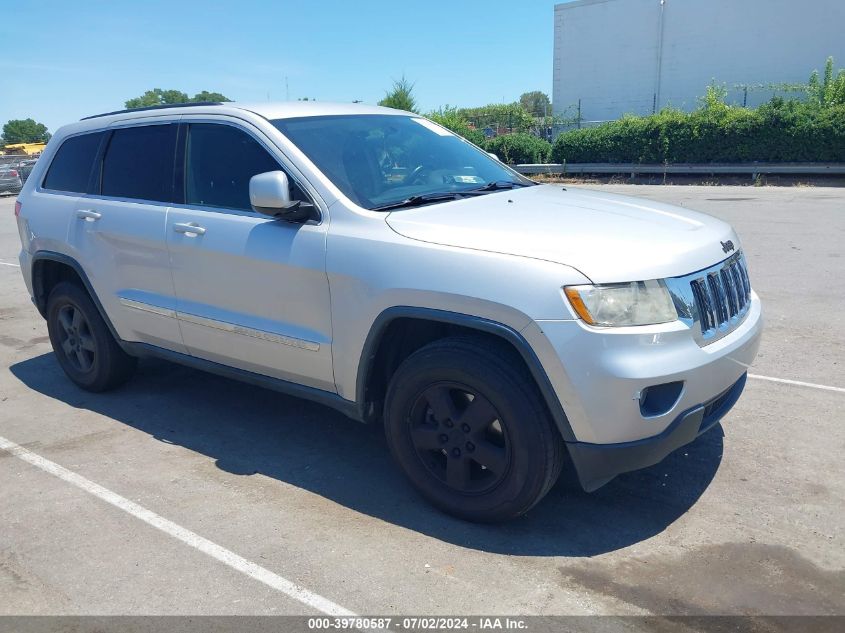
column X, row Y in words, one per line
column 468, row 427
column 82, row 342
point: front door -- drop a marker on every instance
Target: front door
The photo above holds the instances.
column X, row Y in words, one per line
column 251, row 291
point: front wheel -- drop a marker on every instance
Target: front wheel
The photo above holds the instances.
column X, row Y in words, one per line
column 468, row 428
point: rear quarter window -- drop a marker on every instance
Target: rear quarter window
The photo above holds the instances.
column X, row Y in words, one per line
column 71, row 167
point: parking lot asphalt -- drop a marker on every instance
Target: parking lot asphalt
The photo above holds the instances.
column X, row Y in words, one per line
column 746, row 520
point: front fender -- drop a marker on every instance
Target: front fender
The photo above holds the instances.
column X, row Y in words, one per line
column 505, row 332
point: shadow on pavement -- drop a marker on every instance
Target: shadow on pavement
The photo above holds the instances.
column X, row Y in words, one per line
column 249, row 430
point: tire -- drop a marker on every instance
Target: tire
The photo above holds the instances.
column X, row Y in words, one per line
column 82, row 342
column 468, row 427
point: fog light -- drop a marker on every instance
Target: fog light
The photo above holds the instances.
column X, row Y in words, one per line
column 659, row 399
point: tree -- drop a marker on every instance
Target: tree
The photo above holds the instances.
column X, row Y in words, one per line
column 205, row 95
column 449, row 118
column 157, row 96
column 831, row 90
column 507, row 117
column 25, row 131
column 401, row 96
column 536, row 103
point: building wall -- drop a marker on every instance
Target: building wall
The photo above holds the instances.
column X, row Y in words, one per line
column 630, row 56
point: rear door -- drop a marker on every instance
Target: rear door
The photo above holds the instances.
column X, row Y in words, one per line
column 118, row 232
column 252, row 291
column 56, row 196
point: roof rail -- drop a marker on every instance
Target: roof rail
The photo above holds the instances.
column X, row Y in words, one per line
column 155, row 107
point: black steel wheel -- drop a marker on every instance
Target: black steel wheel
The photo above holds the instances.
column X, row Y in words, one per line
column 458, row 435
column 83, row 343
column 466, row 423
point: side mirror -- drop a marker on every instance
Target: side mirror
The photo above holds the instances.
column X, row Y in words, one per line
column 269, row 193
column 494, row 157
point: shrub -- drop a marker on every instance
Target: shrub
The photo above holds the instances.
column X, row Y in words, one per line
column 779, row 131
column 451, row 120
column 510, row 116
column 520, row 148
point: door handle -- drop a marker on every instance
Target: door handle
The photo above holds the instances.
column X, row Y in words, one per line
column 189, row 228
column 88, row 215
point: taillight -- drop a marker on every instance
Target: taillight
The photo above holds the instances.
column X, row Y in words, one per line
column 17, row 209
column 13, row 172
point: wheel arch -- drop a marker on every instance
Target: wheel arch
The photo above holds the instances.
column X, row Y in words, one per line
column 382, row 353
column 50, row 268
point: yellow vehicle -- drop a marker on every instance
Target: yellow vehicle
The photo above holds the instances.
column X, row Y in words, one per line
column 30, row 149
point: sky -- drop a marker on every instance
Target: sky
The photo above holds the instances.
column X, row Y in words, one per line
column 60, row 61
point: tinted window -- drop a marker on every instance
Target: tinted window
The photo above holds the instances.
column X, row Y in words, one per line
column 71, row 167
column 139, row 163
column 220, row 160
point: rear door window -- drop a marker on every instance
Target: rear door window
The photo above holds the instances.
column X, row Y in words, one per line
column 71, row 167
column 219, row 162
column 139, row 163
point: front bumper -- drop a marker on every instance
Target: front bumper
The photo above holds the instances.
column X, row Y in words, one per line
column 596, row 464
column 599, row 376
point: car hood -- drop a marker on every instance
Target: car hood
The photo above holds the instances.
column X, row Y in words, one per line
column 607, row 237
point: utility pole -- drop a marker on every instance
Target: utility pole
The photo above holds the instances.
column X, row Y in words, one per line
column 287, row 90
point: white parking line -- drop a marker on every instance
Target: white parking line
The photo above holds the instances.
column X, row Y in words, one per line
column 5, row 264
column 225, row 556
column 797, row 383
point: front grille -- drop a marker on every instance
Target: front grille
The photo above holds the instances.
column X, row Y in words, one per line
column 722, row 295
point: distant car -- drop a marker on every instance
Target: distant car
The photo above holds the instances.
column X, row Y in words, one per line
column 10, row 179
column 25, row 168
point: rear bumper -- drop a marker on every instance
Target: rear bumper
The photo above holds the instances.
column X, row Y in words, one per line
column 597, row 464
column 25, row 260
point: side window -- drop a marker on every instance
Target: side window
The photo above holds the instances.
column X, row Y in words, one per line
column 139, row 163
column 219, row 161
column 71, row 167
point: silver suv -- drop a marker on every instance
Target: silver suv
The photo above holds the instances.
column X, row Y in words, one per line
column 371, row 260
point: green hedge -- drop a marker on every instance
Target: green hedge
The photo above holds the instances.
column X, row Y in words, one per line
column 520, row 148
column 457, row 124
column 779, row 131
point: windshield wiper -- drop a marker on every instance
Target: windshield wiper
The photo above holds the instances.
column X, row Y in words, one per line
column 425, row 198
column 502, row 184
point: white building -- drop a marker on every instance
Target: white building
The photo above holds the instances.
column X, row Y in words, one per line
column 637, row 56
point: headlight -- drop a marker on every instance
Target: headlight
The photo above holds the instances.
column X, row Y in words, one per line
column 635, row 303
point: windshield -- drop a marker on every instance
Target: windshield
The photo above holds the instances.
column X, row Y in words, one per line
column 380, row 160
